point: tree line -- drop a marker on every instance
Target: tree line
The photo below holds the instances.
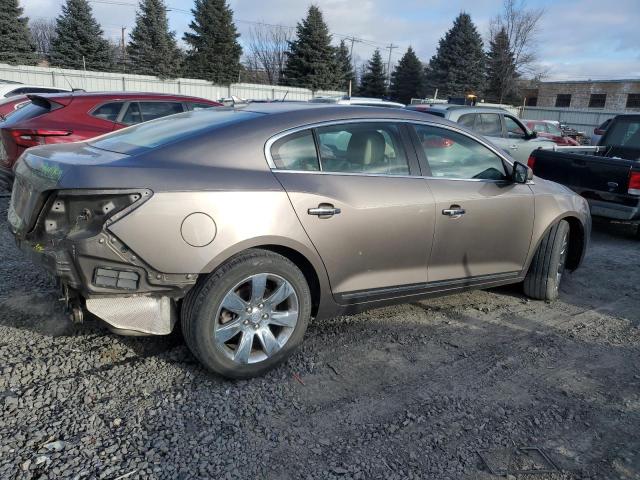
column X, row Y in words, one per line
column 274, row 54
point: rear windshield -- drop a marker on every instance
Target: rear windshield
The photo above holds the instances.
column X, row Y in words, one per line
column 28, row 112
column 165, row 130
column 624, row 132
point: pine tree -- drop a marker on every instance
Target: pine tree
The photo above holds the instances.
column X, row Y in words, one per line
column 16, row 44
column 458, row 67
column 501, row 68
column 79, row 35
column 214, row 52
column 345, row 68
column 152, row 49
column 372, row 83
column 407, row 78
column 311, row 61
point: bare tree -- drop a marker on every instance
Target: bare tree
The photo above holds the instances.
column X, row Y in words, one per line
column 522, row 26
column 43, row 31
column 267, row 47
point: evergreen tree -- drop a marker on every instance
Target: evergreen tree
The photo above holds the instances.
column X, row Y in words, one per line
column 345, row 68
column 407, row 78
column 501, row 68
column 372, row 83
column 311, row 61
column 79, row 35
column 458, row 67
column 16, row 45
column 214, row 52
column 152, row 49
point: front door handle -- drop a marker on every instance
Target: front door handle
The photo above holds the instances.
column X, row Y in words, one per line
column 324, row 210
column 514, row 146
column 454, row 211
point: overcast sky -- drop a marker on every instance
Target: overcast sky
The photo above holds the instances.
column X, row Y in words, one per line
column 578, row 39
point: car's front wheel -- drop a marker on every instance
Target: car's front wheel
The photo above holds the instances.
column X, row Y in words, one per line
column 548, row 265
column 249, row 315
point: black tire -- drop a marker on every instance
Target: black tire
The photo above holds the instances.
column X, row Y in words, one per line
column 542, row 281
column 201, row 304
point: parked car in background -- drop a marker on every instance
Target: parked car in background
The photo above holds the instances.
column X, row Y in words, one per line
column 599, row 131
column 71, row 117
column 498, row 125
column 609, row 178
column 550, row 130
column 12, row 89
column 277, row 213
column 11, row 104
column 357, row 101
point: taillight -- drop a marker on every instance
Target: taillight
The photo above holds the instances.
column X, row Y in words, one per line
column 34, row 137
column 531, row 161
column 634, row 183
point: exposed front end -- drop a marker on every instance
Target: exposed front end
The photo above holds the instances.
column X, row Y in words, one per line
column 67, row 232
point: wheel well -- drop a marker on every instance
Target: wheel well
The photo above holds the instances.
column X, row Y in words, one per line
column 305, row 266
column 576, row 242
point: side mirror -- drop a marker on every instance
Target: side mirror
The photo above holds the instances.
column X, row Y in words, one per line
column 533, row 134
column 521, row 173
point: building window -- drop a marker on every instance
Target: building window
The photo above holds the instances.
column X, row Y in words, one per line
column 597, row 100
column 633, row 100
column 563, row 100
column 532, row 101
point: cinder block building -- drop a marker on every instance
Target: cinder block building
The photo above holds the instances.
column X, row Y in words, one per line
column 618, row 95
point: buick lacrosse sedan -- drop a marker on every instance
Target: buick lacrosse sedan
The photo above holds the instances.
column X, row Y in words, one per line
column 243, row 225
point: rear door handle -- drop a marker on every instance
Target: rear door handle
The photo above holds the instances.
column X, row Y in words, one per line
column 455, row 211
column 324, row 210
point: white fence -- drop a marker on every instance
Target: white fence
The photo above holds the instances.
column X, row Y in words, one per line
column 582, row 120
column 110, row 82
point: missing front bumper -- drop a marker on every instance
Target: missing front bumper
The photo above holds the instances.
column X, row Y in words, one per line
column 138, row 315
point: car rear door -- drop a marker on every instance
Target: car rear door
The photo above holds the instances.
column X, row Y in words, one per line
column 484, row 221
column 357, row 191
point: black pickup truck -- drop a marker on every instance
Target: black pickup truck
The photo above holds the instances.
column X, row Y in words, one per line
column 609, row 177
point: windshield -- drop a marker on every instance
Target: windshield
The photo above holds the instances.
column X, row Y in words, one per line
column 165, row 130
column 624, row 132
column 554, row 129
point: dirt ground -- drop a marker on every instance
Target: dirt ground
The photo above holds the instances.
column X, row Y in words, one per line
column 413, row 391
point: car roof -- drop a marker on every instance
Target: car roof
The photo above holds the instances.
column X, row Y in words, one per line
column 119, row 96
column 8, row 87
column 468, row 108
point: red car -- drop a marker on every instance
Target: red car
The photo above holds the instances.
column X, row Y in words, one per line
column 11, row 104
column 72, row 117
column 549, row 129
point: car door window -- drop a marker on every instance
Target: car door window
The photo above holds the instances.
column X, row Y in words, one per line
column 369, row 148
column 153, row 110
column 457, row 156
column 467, row 120
column 132, row 115
column 514, row 129
column 108, row 111
column 489, row 124
column 295, row 152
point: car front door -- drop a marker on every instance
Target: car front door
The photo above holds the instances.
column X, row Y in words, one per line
column 484, row 221
column 357, row 191
column 519, row 145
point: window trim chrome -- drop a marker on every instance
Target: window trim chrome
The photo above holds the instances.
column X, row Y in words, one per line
column 269, row 143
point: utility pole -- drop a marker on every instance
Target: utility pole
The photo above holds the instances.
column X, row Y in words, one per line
column 124, row 48
column 353, row 62
column 389, row 47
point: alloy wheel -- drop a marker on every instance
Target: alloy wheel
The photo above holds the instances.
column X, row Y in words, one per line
column 256, row 318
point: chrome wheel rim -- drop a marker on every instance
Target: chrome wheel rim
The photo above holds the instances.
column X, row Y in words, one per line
column 256, row 318
column 563, row 259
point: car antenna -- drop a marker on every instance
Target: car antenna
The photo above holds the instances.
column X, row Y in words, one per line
column 285, row 95
column 66, row 79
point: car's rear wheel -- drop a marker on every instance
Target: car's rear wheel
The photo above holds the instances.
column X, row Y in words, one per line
column 548, row 265
column 248, row 316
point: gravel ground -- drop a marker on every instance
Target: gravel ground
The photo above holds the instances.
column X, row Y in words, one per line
column 413, row 391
